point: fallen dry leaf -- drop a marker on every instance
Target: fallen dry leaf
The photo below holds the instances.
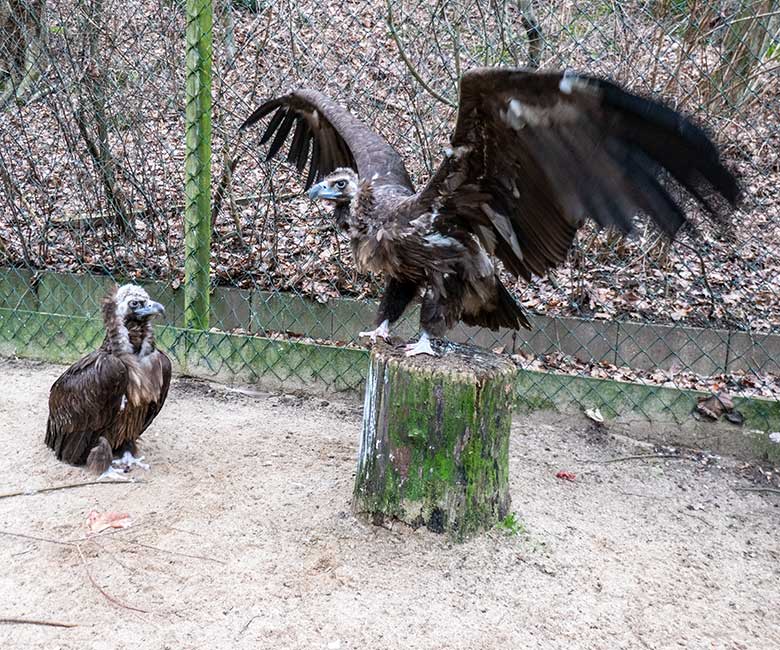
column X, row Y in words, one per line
column 98, row 522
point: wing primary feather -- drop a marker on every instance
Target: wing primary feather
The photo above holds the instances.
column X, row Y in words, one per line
column 297, row 140
column 276, row 120
column 314, row 166
column 281, row 135
column 259, row 113
column 327, row 146
column 650, row 196
column 303, row 154
column 672, row 140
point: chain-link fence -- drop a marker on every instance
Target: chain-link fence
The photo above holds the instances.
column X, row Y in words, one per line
column 101, row 100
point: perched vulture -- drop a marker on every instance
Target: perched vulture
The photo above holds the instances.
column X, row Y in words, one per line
column 100, row 406
column 532, row 155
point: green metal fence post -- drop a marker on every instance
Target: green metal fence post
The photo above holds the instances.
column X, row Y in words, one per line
column 197, row 188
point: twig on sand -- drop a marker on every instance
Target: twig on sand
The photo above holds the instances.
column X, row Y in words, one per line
column 248, row 623
column 757, row 489
column 32, row 621
column 37, row 539
column 67, row 486
column 620, row 459
column 165, row 550
column 107, row 596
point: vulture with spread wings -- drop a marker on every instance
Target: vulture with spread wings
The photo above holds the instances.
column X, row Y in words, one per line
column 532, row 155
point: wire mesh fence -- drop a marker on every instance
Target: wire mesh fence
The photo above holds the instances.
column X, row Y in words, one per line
column 100, row 102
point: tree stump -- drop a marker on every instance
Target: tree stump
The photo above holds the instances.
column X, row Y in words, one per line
column 435, row 444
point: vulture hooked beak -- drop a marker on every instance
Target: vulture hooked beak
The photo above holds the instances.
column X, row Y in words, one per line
column 151, row 308
column 323, row 191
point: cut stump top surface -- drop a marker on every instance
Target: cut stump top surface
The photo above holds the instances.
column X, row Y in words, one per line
column 455, row 361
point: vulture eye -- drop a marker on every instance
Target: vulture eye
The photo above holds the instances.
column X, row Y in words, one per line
column 341, row 184
column 134, row 304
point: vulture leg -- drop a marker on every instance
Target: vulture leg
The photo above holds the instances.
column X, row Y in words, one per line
column 423, row 346
column 396, row 298
column 100, row 457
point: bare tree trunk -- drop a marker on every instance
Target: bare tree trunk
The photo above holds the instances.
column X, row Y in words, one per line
column 745, row 46
column 92, row 112
column 434, row 450
column 22, row 47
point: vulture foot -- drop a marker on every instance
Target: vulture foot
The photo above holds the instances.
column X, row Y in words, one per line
column 423, row 346
column 114, row 474
column 382, row 331
column 128, row 460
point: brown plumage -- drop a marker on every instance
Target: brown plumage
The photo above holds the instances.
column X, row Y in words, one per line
column 531, row 156
column 101, row 405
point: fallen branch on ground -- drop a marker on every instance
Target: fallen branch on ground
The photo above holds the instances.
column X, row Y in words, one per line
column 66, row 487
column 757, row 489
column 32, row 621
column 620, row 459
column 107, row 596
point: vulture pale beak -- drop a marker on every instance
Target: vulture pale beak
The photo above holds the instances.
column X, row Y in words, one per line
column 150, row 309
column 322, row 191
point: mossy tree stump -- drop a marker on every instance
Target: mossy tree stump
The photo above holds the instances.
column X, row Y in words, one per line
column 435, row 444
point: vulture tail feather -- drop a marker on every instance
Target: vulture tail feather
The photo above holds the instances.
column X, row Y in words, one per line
column 505, row 313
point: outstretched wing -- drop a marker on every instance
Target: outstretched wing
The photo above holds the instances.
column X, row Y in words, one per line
column 329, row 136
column 534, row 153
column 84, row 404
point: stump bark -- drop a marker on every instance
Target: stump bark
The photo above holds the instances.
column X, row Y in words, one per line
column 434, row 450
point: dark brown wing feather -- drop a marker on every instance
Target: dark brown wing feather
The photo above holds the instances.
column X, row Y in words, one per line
column 84, row 404
column 543, row 150
column 339, row 139
column 155, row 407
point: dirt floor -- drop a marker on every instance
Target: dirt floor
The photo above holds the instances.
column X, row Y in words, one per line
column 242, row 537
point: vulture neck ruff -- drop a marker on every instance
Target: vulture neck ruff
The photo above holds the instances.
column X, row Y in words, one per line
column 126, row 337
column 132, row 341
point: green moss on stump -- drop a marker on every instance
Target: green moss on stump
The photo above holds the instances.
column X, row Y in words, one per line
column 435, row 444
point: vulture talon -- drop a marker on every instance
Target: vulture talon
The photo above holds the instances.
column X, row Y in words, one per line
column 383, row 331
column 128, row 460
column 114, row 474
column 423, row 346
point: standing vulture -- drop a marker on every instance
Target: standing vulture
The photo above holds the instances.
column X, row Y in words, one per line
column 100, row 406
column 532, row 154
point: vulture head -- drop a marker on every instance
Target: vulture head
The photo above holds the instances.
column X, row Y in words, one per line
column 340, row 186
column 133, row 304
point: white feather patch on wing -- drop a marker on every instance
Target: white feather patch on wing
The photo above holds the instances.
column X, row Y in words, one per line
column 519, row 114
column 571, row 82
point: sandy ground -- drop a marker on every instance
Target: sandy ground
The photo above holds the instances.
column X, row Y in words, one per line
column 242, row 537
